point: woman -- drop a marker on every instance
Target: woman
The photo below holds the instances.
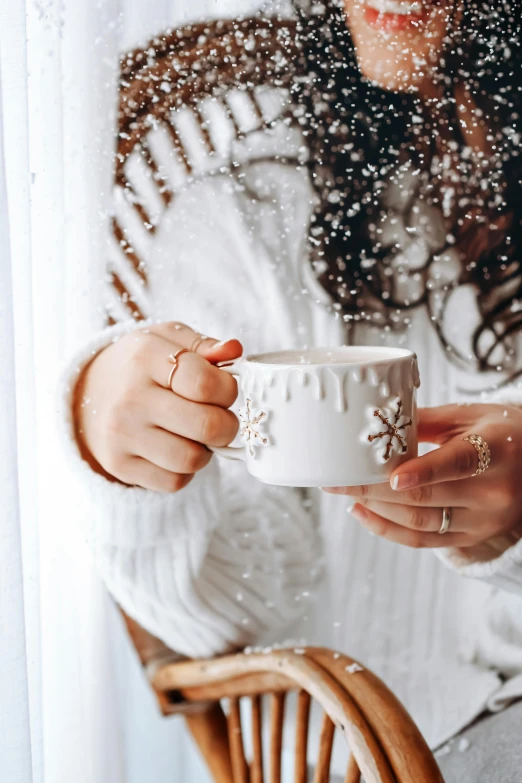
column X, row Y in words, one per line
column 401, row 224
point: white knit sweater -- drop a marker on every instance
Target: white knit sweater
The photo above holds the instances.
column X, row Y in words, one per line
column 227, row 561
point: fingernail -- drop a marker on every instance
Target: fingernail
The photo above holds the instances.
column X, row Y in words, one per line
column 220, row 344
column 405, row 481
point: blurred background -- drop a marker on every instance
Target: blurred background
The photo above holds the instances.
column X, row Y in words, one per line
column 73, row 701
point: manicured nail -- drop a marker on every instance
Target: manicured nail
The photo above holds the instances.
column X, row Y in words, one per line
column 405, row 481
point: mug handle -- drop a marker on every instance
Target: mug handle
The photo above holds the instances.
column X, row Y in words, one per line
column 237, row 453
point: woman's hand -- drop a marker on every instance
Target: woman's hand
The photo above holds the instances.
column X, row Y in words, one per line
column 409, row 510
column 133, row 428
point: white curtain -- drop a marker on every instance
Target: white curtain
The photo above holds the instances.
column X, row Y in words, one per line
column 17, row 738
column 73, row 702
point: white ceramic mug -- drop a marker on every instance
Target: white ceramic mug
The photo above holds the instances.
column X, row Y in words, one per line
column 326, row 417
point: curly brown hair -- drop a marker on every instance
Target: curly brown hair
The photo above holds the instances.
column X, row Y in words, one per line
column 361, row 141
column 360, row 136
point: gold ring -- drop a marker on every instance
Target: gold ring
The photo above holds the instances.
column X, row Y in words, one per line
column 482, row 449
column 446, row 521
column 174, row 360
column 197, row 342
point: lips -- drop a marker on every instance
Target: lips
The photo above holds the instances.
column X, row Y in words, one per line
column 395, row 15
column 396, row 7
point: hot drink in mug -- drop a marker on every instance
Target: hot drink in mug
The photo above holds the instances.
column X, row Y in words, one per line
column 326, row 417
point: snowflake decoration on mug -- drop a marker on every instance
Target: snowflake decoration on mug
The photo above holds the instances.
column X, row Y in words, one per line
column 388, row 430
column 249, row 432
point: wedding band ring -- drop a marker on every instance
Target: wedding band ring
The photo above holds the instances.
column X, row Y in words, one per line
column 174, row 360
column 483, row 452
column 197, row 342
column 446, row 521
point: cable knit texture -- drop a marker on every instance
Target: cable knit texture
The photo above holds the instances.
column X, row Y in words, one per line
column 219, row 565
column 228, row 561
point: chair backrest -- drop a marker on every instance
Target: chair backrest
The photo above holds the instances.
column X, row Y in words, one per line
column 355, row 706
column 171, row 92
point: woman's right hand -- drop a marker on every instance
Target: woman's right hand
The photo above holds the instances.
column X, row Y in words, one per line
column 131, row 427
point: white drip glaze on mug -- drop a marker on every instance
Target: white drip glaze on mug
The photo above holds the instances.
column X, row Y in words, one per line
column 401, row 374
column 373, row 376
column 319, row 385
column 339, row 376
column 358, row 374
column 269, row 381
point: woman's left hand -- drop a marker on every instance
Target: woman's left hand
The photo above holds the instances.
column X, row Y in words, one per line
column 409, row 510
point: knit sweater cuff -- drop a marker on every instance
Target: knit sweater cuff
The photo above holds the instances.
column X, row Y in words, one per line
column 120, row 515
column 498, row 560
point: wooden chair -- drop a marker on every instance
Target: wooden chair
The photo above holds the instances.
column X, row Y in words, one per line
column 178, row 72
column 173, row 79
column 385, row 744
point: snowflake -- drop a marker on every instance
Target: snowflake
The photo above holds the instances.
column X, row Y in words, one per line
column 248, row 431
column 394, row 430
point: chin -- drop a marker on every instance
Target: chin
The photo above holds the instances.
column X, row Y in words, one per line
column 399, row 42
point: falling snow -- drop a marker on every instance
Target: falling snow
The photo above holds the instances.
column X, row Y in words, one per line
column 353, row 668
column 412, row 181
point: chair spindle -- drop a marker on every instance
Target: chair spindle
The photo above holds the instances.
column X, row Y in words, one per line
column 276, row 735
column 235, row 737
column 301, row 737
column 256, row 770
column 322, row 770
